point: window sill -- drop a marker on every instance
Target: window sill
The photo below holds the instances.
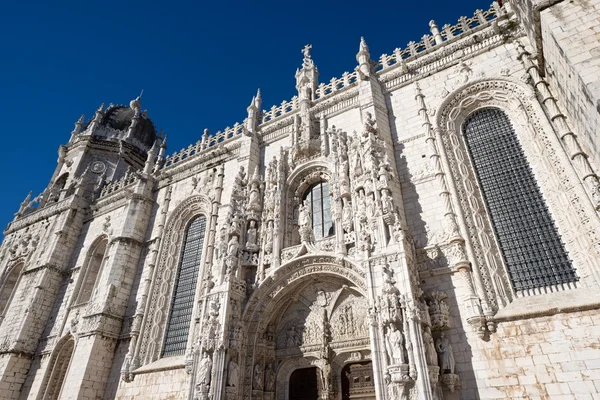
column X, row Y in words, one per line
column 164, row 364
column 580, row 299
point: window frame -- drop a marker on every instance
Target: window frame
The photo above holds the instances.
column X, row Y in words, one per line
column 323, row 194
column 173, row 293
column 461, row 132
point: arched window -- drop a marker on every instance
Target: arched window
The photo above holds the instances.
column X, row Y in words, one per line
column 57, row 369
column 8, row 286
column 95, row 260
column 180, row 315
column 529, row 242
column 320, row 209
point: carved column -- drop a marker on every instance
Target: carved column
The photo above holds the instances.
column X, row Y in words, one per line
column 564, row 132
column 452, row 234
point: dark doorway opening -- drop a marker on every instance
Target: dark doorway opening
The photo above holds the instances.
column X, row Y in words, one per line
column 303, row 384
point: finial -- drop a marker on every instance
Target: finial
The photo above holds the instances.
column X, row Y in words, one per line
column 363, row 44
column 81, row 119
column 135, row 104
column 101, row 108
column 164, row 141
column 306, row 51
column 435, row 31
column 141, row 94
column 364, row 59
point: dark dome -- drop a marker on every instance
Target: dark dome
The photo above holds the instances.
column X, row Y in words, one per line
column 119, row 117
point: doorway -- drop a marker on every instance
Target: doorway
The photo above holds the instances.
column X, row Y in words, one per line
column 304, row 384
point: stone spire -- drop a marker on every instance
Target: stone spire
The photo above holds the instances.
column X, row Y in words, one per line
column 77, row 128
column 253, row 113
column 135, row 105
column 97, row 118
column 364, row 59
column 307, row 76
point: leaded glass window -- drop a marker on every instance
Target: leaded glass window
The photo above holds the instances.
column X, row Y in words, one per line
column 180, row 315
column 320, row 208
column 529, row 242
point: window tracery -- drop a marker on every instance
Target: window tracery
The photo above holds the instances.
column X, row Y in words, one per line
column 95, row 261
column 529, row 242
column 182, row 303
column 318, row 200
column 8, row 287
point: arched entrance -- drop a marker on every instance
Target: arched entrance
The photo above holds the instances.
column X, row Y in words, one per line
column 304, row 384
column 305, row 322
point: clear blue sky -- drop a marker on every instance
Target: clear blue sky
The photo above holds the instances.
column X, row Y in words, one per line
column 199, row 64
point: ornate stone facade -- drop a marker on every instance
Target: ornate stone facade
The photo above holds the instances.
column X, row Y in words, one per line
column 346, row 250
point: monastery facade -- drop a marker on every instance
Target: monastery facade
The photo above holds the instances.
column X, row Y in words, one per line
column 423, row 227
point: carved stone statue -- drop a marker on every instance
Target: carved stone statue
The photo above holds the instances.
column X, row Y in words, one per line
column 254, row 197
column 269, row 378
column 305, row 218
column 387, row 203
column 305, row 222
column 347, row 217
column 444, row 348
column 233, row 246
column 430, row 351
column 395, row 345
column 233, row 373
column 204, row 370
column 257, row 383
column 251, row 236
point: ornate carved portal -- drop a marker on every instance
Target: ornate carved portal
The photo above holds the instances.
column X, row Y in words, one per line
column 318, row 321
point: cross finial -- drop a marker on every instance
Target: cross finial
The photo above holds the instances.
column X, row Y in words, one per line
column 306, row 50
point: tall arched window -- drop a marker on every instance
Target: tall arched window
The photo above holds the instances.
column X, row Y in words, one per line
column 8, row 286
column 532, row 249
column 320, row 208
column 95, row 260
column 57, row 369
column 180, row 315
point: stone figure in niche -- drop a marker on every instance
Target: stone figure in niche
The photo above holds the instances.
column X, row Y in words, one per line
column 251, row 236
column 233, row 373
column 257, row 384
column 395, row 345
column 305, row 222
column 254, row 197
column 444, row 348
column 233, row 246
column 344, row 178
column 269, row 237
column 347, row 219
column 222, row 245
column 291, row 337
column 430, row 351
column 386, row 202
column 384, row 175
column 269, row 378
column 304, row 218
column 204, row 370
column 236, row 224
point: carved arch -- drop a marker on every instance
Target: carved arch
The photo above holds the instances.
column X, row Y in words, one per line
column 57, row 369
column 297, row 184
column 277, row 289
column 8, row 285
column 165, row 272
column 552, row 169
column 91, row 269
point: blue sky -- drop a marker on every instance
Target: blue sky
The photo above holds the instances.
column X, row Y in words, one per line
column 199, row 64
